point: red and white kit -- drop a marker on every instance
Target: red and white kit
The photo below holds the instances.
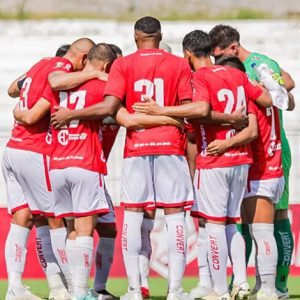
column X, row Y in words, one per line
column 266, row 174
column 77, row 164
column 167, row 79
column 226, row 90
column 26, row 157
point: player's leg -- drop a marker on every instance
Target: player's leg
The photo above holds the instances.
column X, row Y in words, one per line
column 22, row 222
column 107, row 231
column 283, row 232
column 137, row 193
column 235, row 241
column 174, row 190
column 146, row 250
column 212, row 204
column 48, row 260
column 89, row 200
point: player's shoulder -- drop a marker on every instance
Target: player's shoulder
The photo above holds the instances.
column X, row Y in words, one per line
column 259, row 58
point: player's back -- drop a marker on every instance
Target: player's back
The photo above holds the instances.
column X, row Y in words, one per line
column 78, row 145
column 226, row 89
column 162, row 76
column 35, row 137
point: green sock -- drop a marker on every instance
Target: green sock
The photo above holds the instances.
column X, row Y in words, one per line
column 285, row 245
column 244, row 230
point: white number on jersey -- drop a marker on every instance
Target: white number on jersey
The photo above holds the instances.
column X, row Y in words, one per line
column 156, row 86
column 24, row 94
column 270, row 112
column 227, row 95
column 68, row 98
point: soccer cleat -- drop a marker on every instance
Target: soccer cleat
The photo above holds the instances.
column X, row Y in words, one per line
column 282, row 295
column 60, row 294
column 145, row 292
column 178, row 295
column 241, row 292
column 132, row 295
column 261, row 295
column 105, row 295
column 27, row 295
column 201, row 292
column 224, row 297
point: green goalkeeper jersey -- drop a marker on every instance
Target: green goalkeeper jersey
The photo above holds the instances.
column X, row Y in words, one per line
column 257, row 59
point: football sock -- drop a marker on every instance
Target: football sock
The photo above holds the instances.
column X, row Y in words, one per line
column 263, row 235
column 236, row 249
column 58, row 241
column 15, row 256
column 204, row 271
column 176, row 241
column 131, row 247
column 47, row 259
column 285, row 246
column 144, row 257
column 70, row 247
column 104, row 258
column 245, row 231
column 217, row 256
column 84, row 253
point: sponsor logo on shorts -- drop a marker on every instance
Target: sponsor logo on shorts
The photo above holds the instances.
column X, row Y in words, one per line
column 215, row 256
column 180, row 239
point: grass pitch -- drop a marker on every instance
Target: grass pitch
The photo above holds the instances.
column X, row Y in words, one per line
column 158, row 287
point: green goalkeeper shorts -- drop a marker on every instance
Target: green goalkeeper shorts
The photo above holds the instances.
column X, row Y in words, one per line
column 286, row 163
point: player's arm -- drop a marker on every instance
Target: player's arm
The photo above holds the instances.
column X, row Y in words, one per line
column 289, row 83
column 98, row 111
column 60, row 80
column 247, row 135
column 191, row 152
column 34, row 114
column 291, row 105
column 134, row 121
column 15, row 87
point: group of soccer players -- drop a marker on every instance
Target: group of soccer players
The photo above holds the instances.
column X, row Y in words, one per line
column 187, row 120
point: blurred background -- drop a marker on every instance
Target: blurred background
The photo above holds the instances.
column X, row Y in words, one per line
column 32, row 29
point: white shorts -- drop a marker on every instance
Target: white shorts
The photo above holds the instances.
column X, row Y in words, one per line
column 110, row 217
column 26, row 175
column 160, row 180
column 78, row 192
column 219, row 192
column 270, row 188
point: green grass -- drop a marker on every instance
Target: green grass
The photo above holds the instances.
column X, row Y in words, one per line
column 158, row 287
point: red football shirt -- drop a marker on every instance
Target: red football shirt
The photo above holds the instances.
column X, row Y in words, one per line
column 37, row 137
column 225, row 89
column 108, row 137
column 266, row 149
column 78, row 145
column 157, row 74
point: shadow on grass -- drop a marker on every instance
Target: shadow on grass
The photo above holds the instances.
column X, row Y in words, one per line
column 295, row 296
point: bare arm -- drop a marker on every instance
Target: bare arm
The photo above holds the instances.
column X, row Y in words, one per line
column 60, row 81
column 134, row 121
column 291, row 102
column 13, row 90
column 191, row 153
column 288, row 80
column 32, row 115
column 247, row 135
column 265, row 99
column 98, row 111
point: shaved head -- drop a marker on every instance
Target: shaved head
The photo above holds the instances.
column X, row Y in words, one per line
column 83, row 45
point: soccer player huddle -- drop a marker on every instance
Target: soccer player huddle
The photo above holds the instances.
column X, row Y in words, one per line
column 200, row 136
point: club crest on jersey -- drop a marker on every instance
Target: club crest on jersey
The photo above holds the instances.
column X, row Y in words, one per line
column 59, row 64
column 63, row 137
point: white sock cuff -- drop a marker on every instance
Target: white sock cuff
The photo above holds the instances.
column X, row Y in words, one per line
column 215, row 227
column 59, row 231
column 262, row 227
column 85, row 242
column 133, row 214
column 70, row 244
column 177, row 216
column 18, row 228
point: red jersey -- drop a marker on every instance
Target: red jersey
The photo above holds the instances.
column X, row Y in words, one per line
column 266, row 149
column 225, row 89
column 78, row 145
column 160, row 75
column 108, row 137
column 37, row 137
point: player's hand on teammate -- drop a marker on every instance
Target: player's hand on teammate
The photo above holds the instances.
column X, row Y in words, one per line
column 217, row 147
column 240, row 118
column 148, row 106
column 61, row 117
